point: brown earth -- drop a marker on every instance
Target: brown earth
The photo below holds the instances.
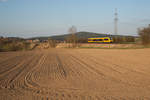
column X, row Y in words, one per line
column 75, row 74
column 98, row 45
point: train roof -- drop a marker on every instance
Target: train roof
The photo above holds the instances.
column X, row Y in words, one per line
column 99, row 37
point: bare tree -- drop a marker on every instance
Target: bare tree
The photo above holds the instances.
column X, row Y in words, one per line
column 145, row 35
column 72, row 38
column 52, row 43
column 72, row 30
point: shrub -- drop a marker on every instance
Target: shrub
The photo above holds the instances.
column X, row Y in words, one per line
column 52, row 43
column 26, row 45
column 118, row 39
column 83, row 40
column 123, row 39
column 73, row 40
column 12, row 45
column 145, row 35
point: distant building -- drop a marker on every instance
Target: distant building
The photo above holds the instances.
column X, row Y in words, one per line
column 36, row 40
column 29, row 41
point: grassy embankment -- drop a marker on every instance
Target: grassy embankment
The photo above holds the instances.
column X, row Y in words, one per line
column 14, row 45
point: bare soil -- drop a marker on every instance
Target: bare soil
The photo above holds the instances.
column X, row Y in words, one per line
column 100, row 45
column 75, row 74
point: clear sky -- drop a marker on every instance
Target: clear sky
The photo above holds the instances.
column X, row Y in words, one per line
column 28, row 18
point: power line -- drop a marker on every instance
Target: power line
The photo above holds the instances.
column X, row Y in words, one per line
column 116, row 22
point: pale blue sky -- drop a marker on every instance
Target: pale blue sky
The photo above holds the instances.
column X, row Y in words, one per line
column 28, row 18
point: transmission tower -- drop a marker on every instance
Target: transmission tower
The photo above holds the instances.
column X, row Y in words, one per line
column 116, row 22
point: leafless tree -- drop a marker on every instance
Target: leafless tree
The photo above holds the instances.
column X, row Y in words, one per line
column 145, row 35
column 52, row 43
column 72, row 38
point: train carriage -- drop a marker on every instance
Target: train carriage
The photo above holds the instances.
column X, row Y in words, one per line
column 100, row 40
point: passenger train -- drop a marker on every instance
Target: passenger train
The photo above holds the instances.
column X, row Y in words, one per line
column 100, row 40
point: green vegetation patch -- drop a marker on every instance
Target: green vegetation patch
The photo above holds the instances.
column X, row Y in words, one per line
column 13, row 45
column 140, row 47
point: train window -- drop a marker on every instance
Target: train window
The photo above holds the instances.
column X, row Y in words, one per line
column 94, row 39
column 98, row 40
column 106, row 39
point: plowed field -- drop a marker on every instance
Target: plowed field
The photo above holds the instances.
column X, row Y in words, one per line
column 75, row 74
